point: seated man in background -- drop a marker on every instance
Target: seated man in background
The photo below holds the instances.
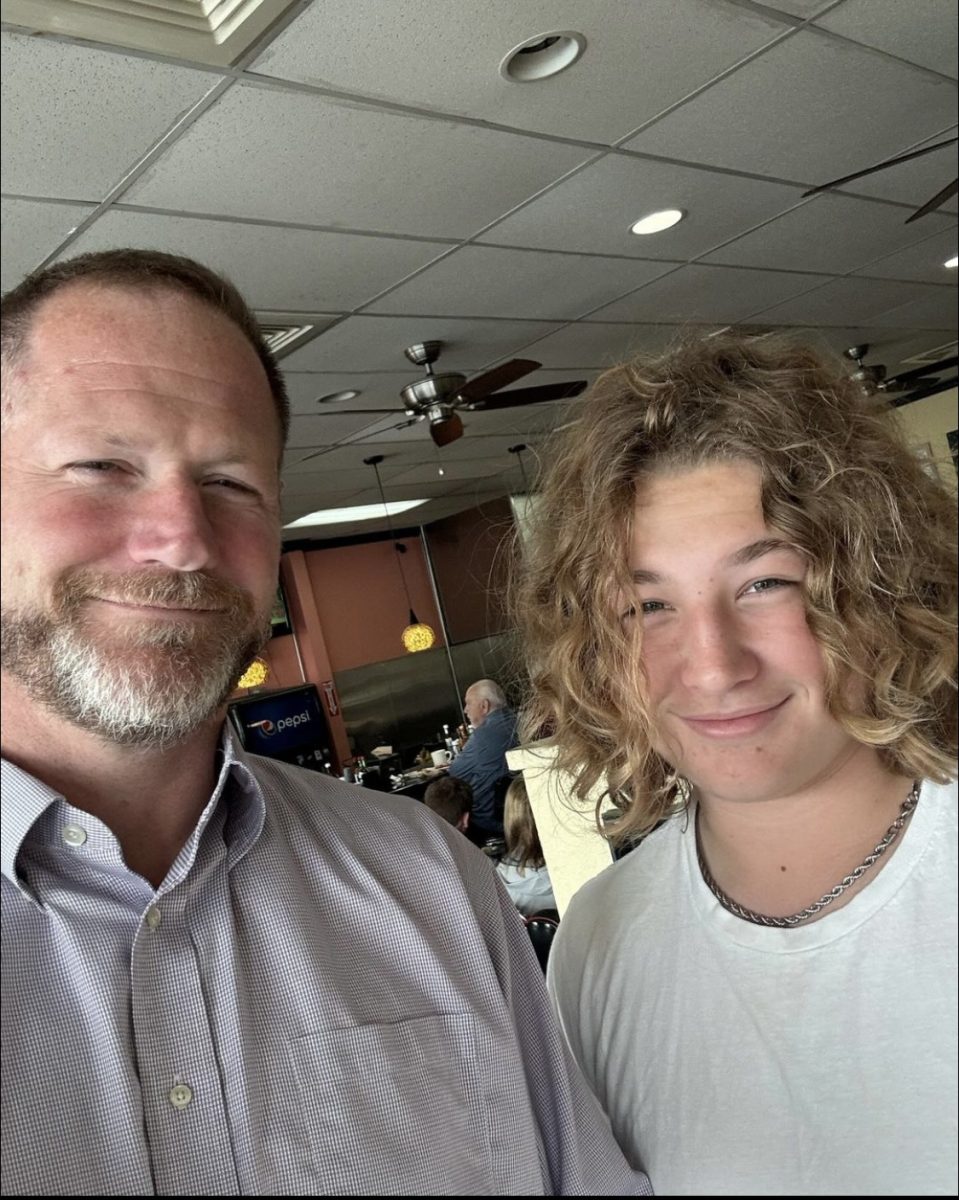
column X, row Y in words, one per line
column 222, row 975
column 451, row 799
column 482, row 761
column 740, row 614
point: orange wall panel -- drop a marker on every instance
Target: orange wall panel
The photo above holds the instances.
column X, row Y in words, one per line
column 361, row 603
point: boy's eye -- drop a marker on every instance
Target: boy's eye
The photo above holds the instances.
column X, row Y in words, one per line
column 769, row 585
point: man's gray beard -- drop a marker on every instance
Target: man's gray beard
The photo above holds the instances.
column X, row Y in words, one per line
column 143, row 684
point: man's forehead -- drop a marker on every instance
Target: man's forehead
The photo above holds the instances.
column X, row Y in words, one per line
column 82, row 313
column 99, row 336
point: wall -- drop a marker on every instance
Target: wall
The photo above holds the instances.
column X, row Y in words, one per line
column 927, row 422
column 470, row 554
column 361, row 603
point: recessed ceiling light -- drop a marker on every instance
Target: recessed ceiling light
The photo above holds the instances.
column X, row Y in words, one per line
column 338, row 397
column 952, row 263
column 541, row 56
column 356, row 512
column 658, row 221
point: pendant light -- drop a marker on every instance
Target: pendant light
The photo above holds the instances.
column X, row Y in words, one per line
column 518, row 451
column 416, row 636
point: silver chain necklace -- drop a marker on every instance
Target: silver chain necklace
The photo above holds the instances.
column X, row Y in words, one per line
column 811, row 910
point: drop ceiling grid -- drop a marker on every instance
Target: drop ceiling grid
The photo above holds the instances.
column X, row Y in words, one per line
column 445, row 244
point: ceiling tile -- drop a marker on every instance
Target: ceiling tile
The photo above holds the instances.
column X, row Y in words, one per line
column 593, row 210
column 801, row 8
column 703, row 293
column 838, row 302
column 588, row 345
column 916, row 181
column 370, row 343
column 274, row 267
column 377, row 390
column 934, row 309
column 414, row 53
column 830, row 233
column 809, row 109
column 32, row 231
column 922, row 31
column 327, row 162
column 75, row 120
column 485, row 281
column 924, row 261
column 325, row 429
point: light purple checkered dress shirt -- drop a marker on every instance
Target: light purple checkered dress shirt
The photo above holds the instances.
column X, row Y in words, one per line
column 329, row 994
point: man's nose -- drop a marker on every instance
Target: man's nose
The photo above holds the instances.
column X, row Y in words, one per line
column 171, row 528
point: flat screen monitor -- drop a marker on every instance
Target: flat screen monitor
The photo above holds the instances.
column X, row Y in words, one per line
column 278, row 724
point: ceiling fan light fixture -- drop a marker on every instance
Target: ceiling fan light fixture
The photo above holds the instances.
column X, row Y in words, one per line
column 542, row 56
column 951, row 263
column 339, row 397
column 656, row 222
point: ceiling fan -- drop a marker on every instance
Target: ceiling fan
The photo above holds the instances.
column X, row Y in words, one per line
column 441, row 397
column 907, row 385
column 937, row 200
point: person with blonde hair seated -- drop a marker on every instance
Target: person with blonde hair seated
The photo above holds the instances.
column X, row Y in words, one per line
column 523, row 867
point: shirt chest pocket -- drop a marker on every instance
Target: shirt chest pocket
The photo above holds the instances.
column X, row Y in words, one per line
column 399, row 1109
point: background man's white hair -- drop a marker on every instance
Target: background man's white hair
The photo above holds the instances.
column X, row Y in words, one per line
column 488, row 689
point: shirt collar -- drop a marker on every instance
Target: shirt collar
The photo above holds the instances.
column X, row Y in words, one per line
column 26, row 799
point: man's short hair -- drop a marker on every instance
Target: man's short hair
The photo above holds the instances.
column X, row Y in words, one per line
column 489, row 689
column 838, row 483
column 139, row 270
column 450, row 798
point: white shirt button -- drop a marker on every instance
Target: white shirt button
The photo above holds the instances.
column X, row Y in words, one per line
column 180, row 1096
column 153, row 917
column 74, row 835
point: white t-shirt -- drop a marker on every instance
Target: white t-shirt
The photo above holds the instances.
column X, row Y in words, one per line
column 739, row 1060
column 529, row 888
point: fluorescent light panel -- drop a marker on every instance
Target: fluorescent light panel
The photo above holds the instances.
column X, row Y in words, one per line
column 358, row 512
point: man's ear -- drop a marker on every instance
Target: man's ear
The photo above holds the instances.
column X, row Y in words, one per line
column 463, row 823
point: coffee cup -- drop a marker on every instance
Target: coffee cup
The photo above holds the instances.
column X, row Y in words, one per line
column 441, row 758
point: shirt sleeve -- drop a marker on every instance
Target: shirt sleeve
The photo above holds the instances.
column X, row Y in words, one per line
column 464, row 764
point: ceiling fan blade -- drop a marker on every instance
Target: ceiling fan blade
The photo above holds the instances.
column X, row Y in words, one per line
column 889, row 162
column 938, row 199
column 905, row 378
column 534, row 395
column 499, row 377
column 447, row 430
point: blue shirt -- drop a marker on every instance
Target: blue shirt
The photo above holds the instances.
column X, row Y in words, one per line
column 482, row 763
column 329, row 994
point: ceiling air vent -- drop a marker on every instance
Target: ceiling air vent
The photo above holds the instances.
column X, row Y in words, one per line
column 284, row 337
column 216, row 32
column 287, row 331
